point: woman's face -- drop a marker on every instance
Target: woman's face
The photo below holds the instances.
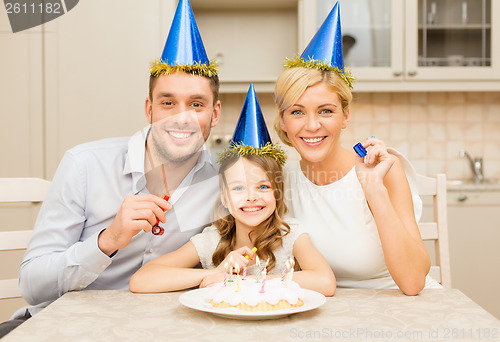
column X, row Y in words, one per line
column 313, row 124
column 249, row 195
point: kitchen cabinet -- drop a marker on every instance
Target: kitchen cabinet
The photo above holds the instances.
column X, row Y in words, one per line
column 249, row 39
column 419, row 45
column 390, row 45
column 474, row 236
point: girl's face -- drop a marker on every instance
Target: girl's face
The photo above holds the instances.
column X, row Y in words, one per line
column 249, row 195
column 314, row 123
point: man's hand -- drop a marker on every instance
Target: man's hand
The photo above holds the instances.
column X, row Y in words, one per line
column 136, row 213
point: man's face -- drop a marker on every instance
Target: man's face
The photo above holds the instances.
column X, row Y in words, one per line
column 181, row 114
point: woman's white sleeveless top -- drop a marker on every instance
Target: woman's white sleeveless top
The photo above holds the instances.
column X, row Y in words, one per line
column 342, row 227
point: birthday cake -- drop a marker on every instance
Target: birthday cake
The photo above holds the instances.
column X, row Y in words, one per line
column 250, row 295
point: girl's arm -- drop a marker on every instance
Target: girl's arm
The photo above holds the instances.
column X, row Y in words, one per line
column 315, row 272
column 389, row 198
column 170, row 272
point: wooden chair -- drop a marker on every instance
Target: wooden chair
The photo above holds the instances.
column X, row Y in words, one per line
column 16, row 190
column 437, row 230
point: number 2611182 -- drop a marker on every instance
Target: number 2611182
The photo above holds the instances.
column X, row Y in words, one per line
column 24, row 8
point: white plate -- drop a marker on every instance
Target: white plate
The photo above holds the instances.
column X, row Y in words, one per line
column 198, row 300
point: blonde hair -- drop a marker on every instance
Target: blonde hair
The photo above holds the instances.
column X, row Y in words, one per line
column 292, row 83
column 274, row 227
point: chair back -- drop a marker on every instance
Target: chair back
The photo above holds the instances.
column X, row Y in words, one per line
column 17, row 190
column 437, row 229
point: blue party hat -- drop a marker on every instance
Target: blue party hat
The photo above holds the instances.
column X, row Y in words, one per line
column 324, row 51
column 326, row 45
column 251, row 135
column 184, row 50
column 251, row 128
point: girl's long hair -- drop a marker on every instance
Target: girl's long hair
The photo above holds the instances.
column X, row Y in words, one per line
column 274, row 227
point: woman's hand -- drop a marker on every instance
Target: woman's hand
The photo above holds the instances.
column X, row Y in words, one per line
column 375, row 165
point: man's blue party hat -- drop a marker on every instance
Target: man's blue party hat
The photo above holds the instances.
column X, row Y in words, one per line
column 251, row 135
column 324, row 51
column 184, row 50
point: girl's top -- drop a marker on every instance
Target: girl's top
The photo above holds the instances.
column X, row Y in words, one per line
column 342, row 227
column 206, row 242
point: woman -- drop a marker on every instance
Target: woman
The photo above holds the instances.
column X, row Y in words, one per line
column 359, row 211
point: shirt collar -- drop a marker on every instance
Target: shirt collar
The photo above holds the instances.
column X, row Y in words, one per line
column 134, row 162
column 206, row 159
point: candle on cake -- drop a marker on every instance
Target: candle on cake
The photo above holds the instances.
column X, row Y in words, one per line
column 257, row 262
column 225, row 274
column 290, row 266
column 237, row 268
column 264, row 276
column 283, row 272
column 230, row 269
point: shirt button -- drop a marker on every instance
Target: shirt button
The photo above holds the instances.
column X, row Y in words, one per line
column 81, row 286
column 151, row 250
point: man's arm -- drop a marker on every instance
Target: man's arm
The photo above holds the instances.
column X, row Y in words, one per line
column 71, row 245
column 56, row 261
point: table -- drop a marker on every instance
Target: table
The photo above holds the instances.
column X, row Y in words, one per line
column 351, row 315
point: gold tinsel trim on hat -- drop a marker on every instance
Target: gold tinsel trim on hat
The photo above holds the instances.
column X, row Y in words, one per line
column 268, row 150
column 316, row 64
column 159, row 67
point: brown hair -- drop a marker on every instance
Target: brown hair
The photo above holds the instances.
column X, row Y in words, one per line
column 292, row 83
column 275, row 227
column 214, row 85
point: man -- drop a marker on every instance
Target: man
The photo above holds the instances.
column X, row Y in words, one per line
column 94, row 228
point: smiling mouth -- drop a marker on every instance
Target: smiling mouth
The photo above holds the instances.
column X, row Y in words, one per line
column 251, row 209
column 180, row 135
column 313, row 140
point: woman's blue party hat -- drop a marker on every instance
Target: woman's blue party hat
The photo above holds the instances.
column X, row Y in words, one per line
column 326, row 45
column 251, row 135
column 184, row 50
column 324, row 51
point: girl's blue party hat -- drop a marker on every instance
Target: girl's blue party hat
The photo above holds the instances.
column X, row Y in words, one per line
column 251, row 135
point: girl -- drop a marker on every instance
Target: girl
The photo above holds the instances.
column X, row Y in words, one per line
column 250, row 213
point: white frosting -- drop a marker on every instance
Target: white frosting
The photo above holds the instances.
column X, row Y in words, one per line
column 249, row 292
